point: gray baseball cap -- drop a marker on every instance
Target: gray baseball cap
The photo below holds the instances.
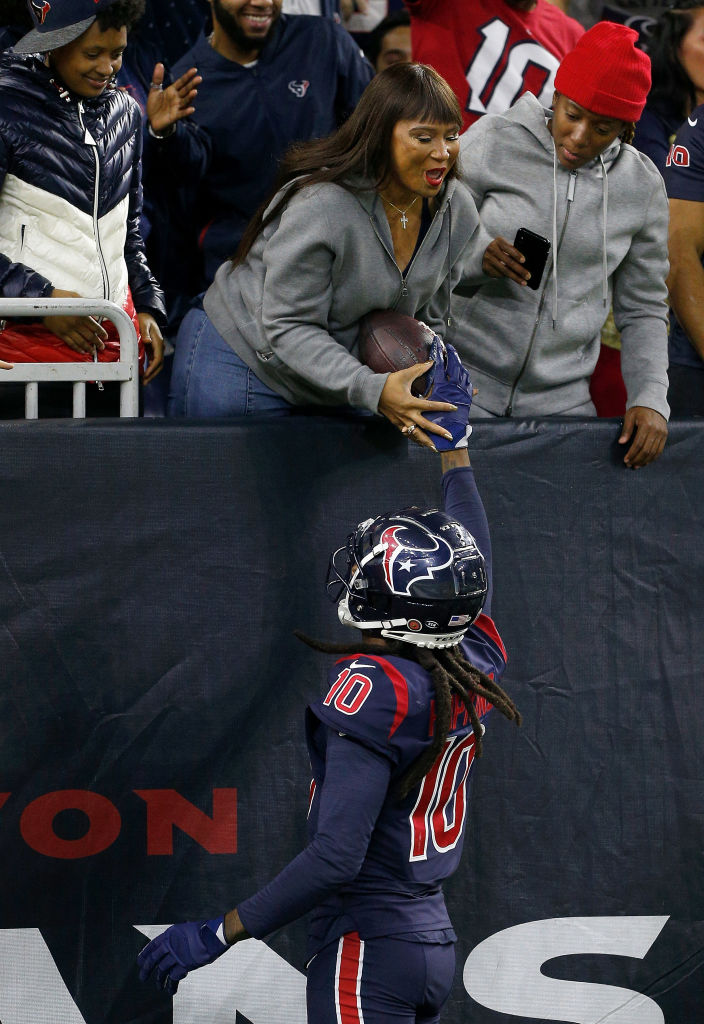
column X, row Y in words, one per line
column 57, row 22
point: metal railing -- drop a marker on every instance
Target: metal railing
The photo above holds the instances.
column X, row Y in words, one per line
column 125, row 370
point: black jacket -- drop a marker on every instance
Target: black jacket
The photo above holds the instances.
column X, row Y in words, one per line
column 70, row 190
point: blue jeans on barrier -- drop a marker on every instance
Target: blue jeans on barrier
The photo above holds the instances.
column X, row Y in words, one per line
column 210, row 379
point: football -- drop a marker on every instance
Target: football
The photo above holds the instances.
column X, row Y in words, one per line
column 391, row 341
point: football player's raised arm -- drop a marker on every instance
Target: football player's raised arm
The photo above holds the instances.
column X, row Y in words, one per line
column 463, row 501
column 454, row 459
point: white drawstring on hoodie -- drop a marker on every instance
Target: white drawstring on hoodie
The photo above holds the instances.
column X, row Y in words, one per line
column 604, row 209
column 554, row 234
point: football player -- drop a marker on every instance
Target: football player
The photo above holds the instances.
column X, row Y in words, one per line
column 392, row 746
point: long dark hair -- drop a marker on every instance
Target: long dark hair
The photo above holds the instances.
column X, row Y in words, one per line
column 672, row 92
column 451, row 674
column 362, row 146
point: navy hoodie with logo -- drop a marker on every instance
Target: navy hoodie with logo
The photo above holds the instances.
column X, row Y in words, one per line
column 217, row 167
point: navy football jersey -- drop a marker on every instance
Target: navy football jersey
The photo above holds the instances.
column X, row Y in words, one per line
column 387, row 704
column 684, row 179
column 684, row 168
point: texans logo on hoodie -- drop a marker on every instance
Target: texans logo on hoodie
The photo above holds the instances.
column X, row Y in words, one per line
column 299, row 88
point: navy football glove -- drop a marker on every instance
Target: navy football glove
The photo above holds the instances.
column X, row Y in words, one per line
column 449, row 382
column 180, row 949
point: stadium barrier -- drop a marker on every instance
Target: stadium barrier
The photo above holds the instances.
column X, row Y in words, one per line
column 124, row 370
column 152, row 762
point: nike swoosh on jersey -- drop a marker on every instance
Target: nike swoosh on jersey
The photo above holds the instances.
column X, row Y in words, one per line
column 693, row 122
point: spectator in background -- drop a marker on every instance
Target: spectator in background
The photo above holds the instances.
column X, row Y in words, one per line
column 174, row 25
column 70, row 185
column 167, row 29
column 675, row 44
column 390, row 42
column 676, row 49
column 684, row 178
column 491, row 51
column 268, row 80
column 569, row 175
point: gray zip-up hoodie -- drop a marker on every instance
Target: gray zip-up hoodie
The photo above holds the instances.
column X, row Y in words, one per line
column 532, row 353
column 291, row 311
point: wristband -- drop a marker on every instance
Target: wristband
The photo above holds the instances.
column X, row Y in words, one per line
column 162, row 135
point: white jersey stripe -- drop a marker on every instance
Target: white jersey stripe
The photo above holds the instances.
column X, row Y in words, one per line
column 338, row 1012
column 359, row 982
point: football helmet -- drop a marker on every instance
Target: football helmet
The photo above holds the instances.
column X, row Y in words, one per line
column 415, row 575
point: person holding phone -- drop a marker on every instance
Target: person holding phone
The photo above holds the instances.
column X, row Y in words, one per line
column 570, row 176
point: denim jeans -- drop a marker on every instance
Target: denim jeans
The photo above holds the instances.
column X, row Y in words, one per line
column 209, row 378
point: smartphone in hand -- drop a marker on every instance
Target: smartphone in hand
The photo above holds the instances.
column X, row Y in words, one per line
column 536, row 250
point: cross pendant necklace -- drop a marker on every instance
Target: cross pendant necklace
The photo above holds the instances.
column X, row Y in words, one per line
column 404, row 218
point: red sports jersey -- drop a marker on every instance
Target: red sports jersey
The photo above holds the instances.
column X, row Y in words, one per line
column 491, row 53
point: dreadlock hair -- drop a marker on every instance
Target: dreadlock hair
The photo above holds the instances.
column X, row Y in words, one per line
column 628, row 133
column 451, row 673
column 361, row 148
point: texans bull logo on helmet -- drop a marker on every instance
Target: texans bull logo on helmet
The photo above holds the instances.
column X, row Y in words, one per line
column 398, row 569
column 416, row 575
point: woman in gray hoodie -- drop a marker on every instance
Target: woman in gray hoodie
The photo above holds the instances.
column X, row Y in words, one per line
column 569, row 175
column 374, row 217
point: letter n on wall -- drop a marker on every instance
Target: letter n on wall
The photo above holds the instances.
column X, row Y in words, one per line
column 166, row 808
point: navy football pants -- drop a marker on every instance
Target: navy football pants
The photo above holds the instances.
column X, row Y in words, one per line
column 379, row 981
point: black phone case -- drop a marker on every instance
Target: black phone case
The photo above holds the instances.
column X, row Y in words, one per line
column 536, row 250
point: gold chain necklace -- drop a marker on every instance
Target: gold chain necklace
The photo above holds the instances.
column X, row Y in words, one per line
column 404, row 218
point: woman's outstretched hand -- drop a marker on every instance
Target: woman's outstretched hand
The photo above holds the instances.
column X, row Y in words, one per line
column 406, row 412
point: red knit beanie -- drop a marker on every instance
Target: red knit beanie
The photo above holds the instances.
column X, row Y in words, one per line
column 605, row 73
